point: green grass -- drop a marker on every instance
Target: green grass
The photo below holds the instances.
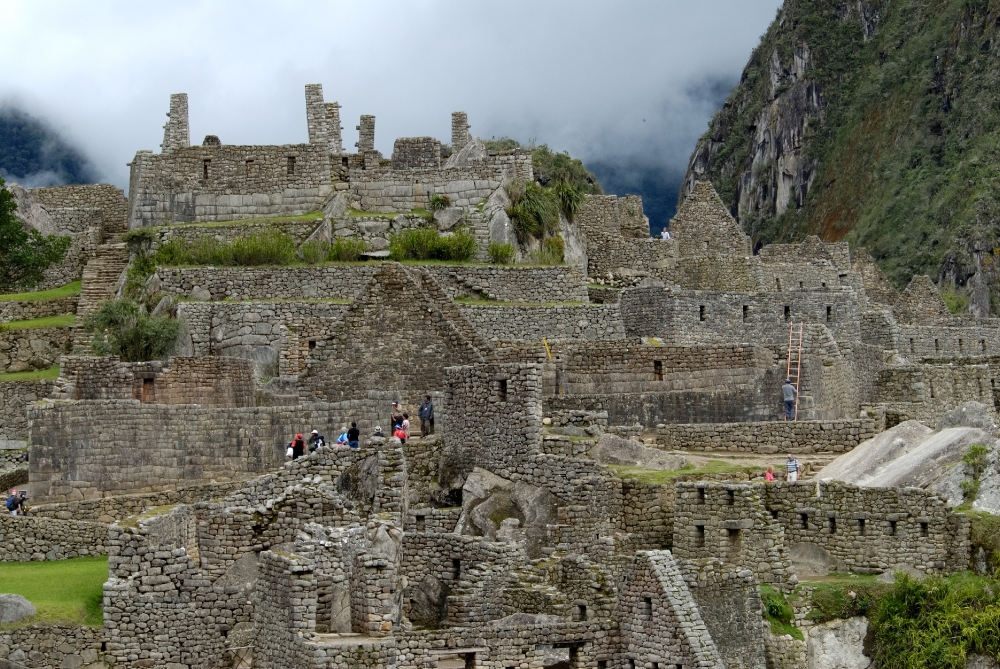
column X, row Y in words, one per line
column 778, row 613
column 360, row 213
column 64, row 321
column 52, row 294
column 50, row 374
column 312, row 215
column 63, row 591
column 652, row 476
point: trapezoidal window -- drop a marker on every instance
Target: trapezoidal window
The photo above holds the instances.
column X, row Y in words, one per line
column 701, row 312
column 924, row 530
column 788, row 313
column 734, row 535
column 249, row 168
column 746, row 312
column 861, row 526
column 657, row 370
column 291, row 165
column 832, row 527
column 204, row 168
column 647, row 608
column 892, row 528
column 502, row 390
column 421, row 523
column 699, row 536
column 829, row 314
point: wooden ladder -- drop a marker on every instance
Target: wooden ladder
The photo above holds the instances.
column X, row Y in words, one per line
column 794, row 371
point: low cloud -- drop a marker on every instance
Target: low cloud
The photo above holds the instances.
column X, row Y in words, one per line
column 630, row 85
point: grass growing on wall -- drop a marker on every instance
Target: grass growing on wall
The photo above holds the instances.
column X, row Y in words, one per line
column 68, row 290
column 778, row 612
column 63, row 321
column 50, row 374
column 63, row 591
column 653, row 476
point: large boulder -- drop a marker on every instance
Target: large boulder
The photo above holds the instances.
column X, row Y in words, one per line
column 970, row 414
column 838, row 644
column 614, row 450
column 811, row 560
column 14, row 608
column 426, row 603
column 489, row 500
column 446, row 219
column 30, row 212
column 471, row 153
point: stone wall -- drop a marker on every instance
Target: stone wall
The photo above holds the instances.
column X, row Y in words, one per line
column 703, row 226
column 208, row 381
column 110, row 201
column 53, row 646
column 810, row 249
column 86, row 229
column 27, row 538
column 978, row 339
column 25, row 310
column 767, row 437
column 227, row 182
column 762, row 318
column 386, row 189
column 510, row 322
column 298, row 229
column 507, row 284
column 28, row 349
column 926, row 392
column 89, row 449
column 15, row 398
column 416, row 152
column 873, row 529
column 398, row 335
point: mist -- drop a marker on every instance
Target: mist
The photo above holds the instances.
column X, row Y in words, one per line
column 627, row 87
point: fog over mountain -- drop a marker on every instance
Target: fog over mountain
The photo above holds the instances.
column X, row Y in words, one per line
column 627, row 87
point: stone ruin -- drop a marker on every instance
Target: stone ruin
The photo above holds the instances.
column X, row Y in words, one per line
column 509, row 537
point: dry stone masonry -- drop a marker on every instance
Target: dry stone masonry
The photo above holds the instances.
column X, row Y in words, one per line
column 557, row 515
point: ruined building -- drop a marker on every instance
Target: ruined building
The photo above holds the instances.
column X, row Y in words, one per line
column 511, row 537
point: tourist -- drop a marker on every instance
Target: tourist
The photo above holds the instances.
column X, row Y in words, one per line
column 396, row 417
column 13, row 502
column 354, row 437
column 788, row 392
column 792, row 468
column 342, row 437
column 664, row 234
column 406, row 426
column 378, row 432
column 426, row 415
column 298, row 447
column 316, row 440
column 769, row 474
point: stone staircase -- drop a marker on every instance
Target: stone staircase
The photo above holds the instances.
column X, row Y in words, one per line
column 441, row 300
column 99, row 279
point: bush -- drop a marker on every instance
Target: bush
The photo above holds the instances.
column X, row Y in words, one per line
column 501, row 254
column 778, row 612
column 346, row 249
column 267, row 247
column 534, row 211
column 553, row 252
column 428, row 244
column 313, row 252
column 133, row 335
column 570, row 198
column 439, row 202
column 25, row 254
column 955, row 302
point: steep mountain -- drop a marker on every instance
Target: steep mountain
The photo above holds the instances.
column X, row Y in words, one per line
column 33, row 153
column 877, row 121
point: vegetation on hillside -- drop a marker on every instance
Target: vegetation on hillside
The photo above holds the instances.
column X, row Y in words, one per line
column 429, row 244
column 25, row 254
column 551, row 167
column 908, row 146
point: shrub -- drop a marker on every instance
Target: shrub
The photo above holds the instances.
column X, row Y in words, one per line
column 955, row 302
column 346, row 249
column 975, row 459
column 534, row 211
column 133, row 335
column 313, row 252
column 778, row 612
column 267, row 247
column 570, row 198
column 428, row 244
column 501, row 254
column 459, row 246
column 553, row 252
column 439, row 202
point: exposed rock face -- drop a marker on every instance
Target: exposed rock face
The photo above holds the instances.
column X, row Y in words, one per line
column 613, row 450
column 427, row 601
column 14, row 608
column 474, row 150
column 489, row 501
column 838, row 644
column 30, row 212
column 811, row 560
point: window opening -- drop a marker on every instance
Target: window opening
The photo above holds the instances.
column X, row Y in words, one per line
column 833, row 525
column 647, row 608
column 701, row 312
column 924, row 531
column 788, row 313
column 657, row 370
column 746, row 312
column 699, row 536
column 734, row 535
column 861, row 526
column 456, row 568
column 829, row 314
column 291, row 165
column 804, row 519
column 421, row 523
column 730, row 497
column 701, row 495
column 204, row 168
column 249, row 168
column 892, row 528
column 502, row 390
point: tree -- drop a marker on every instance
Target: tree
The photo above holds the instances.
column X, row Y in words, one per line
column 25, row 254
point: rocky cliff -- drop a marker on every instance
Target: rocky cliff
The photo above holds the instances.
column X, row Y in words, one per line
column 874, row 120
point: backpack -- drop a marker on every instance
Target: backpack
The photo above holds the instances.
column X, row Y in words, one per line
column 12, row 502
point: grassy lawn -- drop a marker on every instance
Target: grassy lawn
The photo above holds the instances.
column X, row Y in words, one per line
column 50, row 374
column 52, row 294
column 666, row 476
column 63, row 591
column 64, row 321
column 308, row 216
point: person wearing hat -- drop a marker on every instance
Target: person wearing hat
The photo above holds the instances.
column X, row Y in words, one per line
column 316, row 440
column 298, row 447
column 788, row 392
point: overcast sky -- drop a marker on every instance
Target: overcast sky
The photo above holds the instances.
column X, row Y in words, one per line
column 632, row 82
